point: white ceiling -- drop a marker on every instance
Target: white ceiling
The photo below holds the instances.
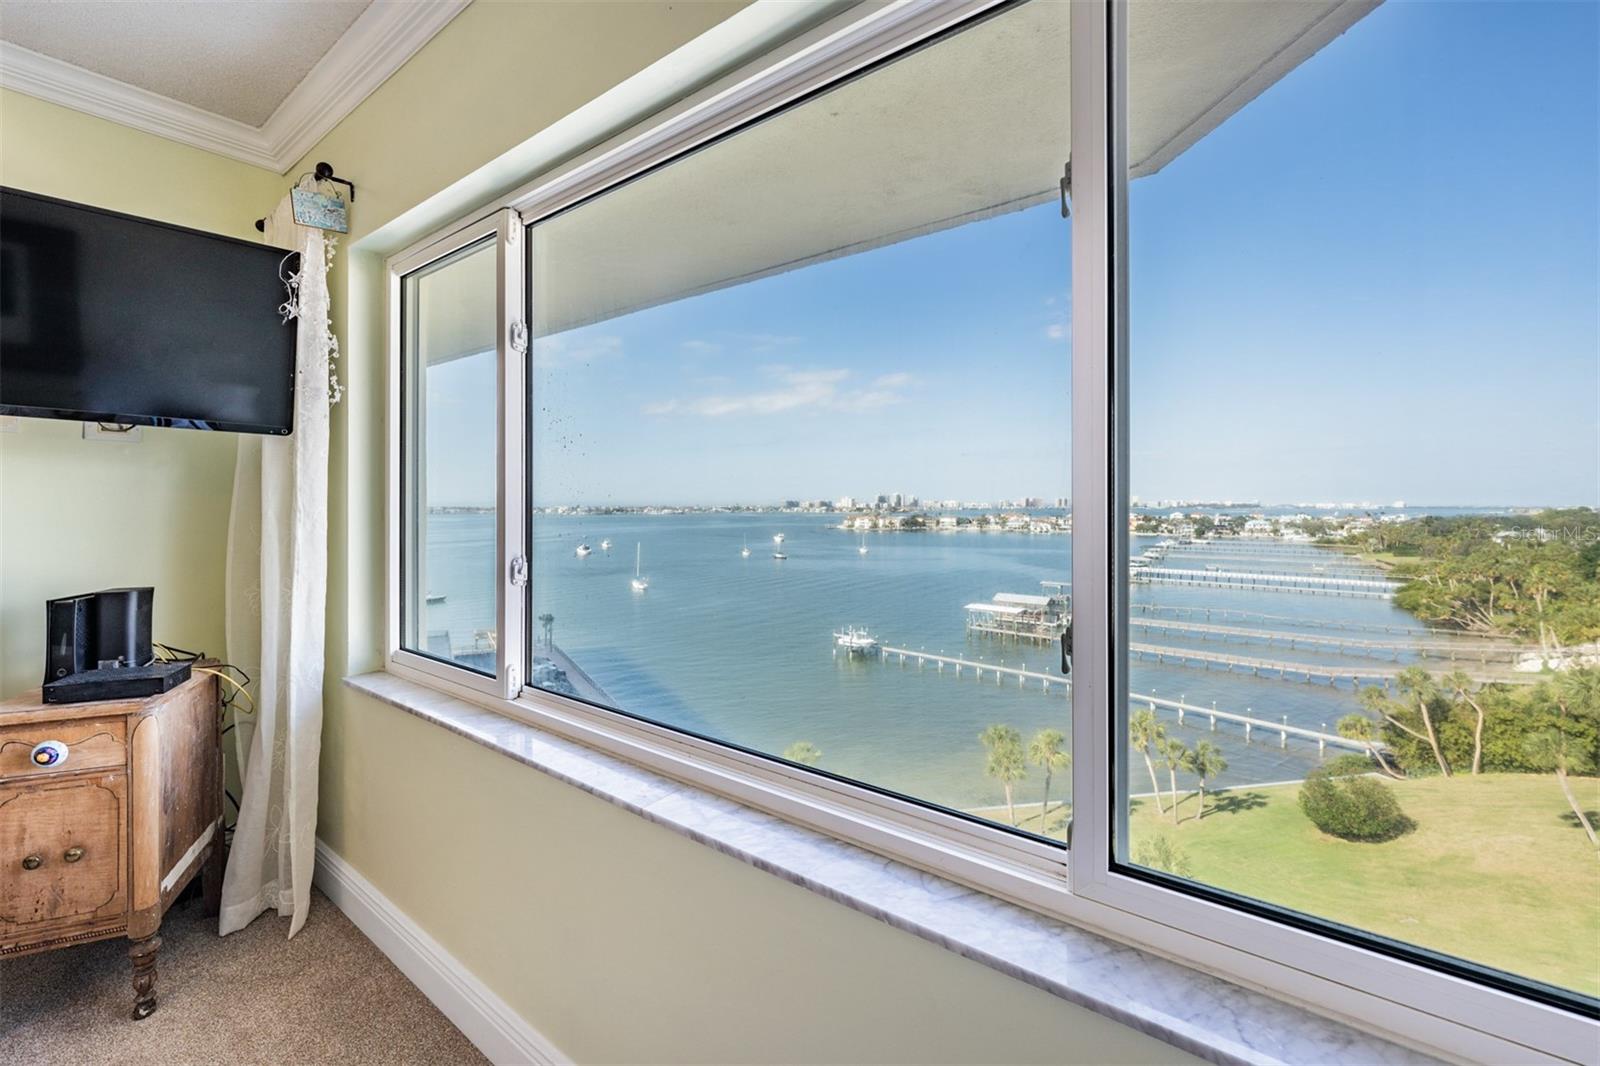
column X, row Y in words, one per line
column 257, row 80
column 235, row 58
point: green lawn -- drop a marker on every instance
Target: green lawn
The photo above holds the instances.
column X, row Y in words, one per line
column 1497, row 870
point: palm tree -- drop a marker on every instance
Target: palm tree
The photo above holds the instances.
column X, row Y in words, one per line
column 1416, row 686
column 1459, row 684
column 1143, row 733
column 1360, row 727
column 1045, row 752
column 1204, row 761
column 1006, row 762
column 1550, row 749
column 803, row 752
column 1173, row 754
column 548, row 621
column 1578, row 691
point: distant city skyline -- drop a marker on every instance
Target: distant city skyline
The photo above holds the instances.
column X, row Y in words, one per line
column 1328, row 304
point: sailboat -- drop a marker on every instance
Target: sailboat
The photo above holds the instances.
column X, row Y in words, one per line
column 744, row 552
column 582, row 550
column 640, row 582
column 863, row 549
column 605, row 545
column 777, row 538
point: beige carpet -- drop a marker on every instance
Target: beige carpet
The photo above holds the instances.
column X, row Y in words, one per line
column 327, row 996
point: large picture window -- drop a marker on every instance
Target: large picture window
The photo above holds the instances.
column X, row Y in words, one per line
column 800, row 423
column 1151, row 442
column 1362, row 559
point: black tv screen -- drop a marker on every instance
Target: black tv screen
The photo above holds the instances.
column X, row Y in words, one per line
column 109, row 318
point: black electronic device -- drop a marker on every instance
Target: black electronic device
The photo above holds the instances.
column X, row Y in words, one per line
column 105, row 317
column 98, row 647
column 69, row 641
column 122, row 626
column 117, row 683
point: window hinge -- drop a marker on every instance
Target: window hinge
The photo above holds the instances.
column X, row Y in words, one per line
column 514, row 678
column 519, row 337
column 1066, row 190
column 519, row 571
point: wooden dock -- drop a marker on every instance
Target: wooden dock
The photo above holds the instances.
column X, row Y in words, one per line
column 1253, row 581
column 1225, row 613
column 1454, row 651
column 1000, row 672
column 1184, row 711
column 1251, row 723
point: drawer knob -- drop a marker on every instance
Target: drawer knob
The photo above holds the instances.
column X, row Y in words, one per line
column 48, row 753
column 32, row 862
column 72, row 854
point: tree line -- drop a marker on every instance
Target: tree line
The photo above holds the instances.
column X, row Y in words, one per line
column 1449, row 725
column 1531, row 576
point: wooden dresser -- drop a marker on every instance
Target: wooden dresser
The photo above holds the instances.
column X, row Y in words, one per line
column 99, row 843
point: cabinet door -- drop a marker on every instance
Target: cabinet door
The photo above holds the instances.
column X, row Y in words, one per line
column 63, row 855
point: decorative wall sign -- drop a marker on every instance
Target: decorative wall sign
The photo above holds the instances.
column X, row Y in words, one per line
column 323, row 210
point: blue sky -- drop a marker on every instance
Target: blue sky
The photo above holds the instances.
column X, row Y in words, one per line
column 1376, row 281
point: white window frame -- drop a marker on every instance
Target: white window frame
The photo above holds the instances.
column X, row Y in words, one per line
column 504, row 228
column 1412, row 1003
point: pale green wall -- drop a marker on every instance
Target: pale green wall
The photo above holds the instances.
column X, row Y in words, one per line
column 78, row 515
column 622, row 941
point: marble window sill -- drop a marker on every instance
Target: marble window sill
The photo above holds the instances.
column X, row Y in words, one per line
column 1194, row 1011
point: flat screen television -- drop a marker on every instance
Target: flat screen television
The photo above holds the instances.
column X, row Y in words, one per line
column 109, row 318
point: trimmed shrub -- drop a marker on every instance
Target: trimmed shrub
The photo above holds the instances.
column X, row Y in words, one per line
column 1353, row 808
column 1348, row 765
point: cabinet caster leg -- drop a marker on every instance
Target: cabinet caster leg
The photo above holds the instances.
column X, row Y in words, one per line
column 143, row 955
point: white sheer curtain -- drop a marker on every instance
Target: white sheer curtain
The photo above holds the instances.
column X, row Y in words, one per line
column 276, row 597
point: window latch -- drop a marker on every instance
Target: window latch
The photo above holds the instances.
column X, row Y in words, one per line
column 519, row 337
column 1066, row 190
column 519, row 571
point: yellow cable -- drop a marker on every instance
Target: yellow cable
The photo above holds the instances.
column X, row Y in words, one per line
column 242, row 691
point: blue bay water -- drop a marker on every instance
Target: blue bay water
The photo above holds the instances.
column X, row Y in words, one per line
column 742, row 649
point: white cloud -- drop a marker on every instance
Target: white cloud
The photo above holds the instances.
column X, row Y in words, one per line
column 1056, row 331
column 793, row 390
column 551, row 353
column 700, row 347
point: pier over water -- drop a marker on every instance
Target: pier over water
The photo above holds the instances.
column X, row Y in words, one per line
column 1001, row 674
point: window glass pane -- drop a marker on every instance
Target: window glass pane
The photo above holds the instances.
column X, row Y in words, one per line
column 800, row 429
column 1363, row 597
column 449, row 459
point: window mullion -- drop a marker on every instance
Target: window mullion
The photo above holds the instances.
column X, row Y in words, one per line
column 512, row 338
column 1093, row 508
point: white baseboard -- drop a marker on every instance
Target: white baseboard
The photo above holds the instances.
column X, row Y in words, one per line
column 503, row 1036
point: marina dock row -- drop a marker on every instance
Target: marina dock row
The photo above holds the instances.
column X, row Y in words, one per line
column 1208, row 613
column 1481, row 653
column 1316, row 584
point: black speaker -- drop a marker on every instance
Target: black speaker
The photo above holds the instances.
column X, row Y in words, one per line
column 69, row 632
column 122, row 626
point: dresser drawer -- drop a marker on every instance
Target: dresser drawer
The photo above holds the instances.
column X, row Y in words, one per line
column 91, row 743
column 63, row 854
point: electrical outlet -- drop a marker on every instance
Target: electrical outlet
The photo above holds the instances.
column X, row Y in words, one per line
column 105, row 431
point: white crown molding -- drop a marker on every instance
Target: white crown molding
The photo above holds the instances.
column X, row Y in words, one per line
column 377, row 44
column 83, row 90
